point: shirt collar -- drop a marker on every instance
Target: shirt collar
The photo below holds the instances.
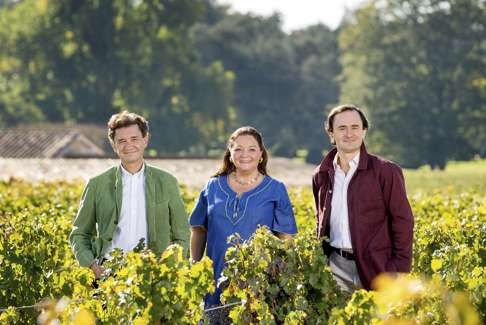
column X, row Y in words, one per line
column 353, row 163
column 126, row 173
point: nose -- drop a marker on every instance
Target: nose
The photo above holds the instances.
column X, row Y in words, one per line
column 129, row 144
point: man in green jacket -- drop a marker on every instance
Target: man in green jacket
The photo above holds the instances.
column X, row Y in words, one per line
column 128, row 202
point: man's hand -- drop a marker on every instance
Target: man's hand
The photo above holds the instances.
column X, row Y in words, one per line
column 98, row 270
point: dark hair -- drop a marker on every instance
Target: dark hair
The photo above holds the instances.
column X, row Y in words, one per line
column 228, row 167
column 123, row 119
column 329, row 125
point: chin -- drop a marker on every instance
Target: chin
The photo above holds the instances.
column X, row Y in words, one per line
column 132, row 160
column 247, row 168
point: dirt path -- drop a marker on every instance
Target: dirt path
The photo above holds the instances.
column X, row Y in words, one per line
column 191, row 172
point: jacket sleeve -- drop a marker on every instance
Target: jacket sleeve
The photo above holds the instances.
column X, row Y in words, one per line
column 401, row 219
column 84, row 227
column 315, row 191
column 179, row 226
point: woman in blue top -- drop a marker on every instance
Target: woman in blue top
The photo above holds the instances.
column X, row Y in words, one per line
column 238, row 199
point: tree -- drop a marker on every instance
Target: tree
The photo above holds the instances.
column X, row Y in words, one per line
column 415, row 66
column 316, row 54
column 85, row 60
column 16, row 103
column 282, row 82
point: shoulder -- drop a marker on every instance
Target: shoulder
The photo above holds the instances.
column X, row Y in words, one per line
column 324, row 166
column 316, row 175
column 384, row 166
column 316, row 171
column 275, row 185
column 160, row 174
column 275, row 182
column 214, row 180
column 326, row 162
column 319, row 177
column 109, row 174
column 214, row 184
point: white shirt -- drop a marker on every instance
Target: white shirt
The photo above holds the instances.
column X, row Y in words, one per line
column 339, row 231
column 132, row 223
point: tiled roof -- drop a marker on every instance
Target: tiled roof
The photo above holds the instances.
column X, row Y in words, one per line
column 46, row 143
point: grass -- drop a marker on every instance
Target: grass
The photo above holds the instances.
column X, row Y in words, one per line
column 457, row 177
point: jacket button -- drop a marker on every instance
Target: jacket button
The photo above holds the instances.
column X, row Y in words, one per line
column 116, row 222
column 330, row 191
column 109, row 239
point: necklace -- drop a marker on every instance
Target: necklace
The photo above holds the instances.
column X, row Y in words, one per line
column 249, row 182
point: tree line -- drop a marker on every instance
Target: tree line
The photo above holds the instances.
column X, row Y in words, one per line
column 197, row 70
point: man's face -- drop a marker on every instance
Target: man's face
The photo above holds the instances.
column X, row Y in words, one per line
column 129, row 144
column 348, row 132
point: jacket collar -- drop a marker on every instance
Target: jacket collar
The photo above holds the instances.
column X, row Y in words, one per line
column 118, row 189
column 118, row 175
column 327, row 162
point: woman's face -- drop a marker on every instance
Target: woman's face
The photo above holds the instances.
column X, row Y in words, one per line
column 246, row 153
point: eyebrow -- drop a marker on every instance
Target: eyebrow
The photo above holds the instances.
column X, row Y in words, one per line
column 129, row 137
column 240, row 146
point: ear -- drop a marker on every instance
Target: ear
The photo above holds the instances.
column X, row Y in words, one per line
column 112, row 143
column 364, row 133
column 330, row 134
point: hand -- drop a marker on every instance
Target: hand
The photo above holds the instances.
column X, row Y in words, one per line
column 284, row 236
column 98, row 270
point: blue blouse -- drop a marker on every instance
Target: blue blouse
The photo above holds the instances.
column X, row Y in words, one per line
column 223, row 213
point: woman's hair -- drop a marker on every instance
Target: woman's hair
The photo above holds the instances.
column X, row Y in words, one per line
column 228, row 167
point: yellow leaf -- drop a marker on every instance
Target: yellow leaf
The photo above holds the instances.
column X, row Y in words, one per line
column 84, row 317
column 140, row 321
column 436, row 264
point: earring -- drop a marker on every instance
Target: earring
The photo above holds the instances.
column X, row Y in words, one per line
column 261, row 160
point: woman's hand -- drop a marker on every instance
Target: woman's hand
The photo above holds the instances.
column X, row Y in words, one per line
column 284, row 236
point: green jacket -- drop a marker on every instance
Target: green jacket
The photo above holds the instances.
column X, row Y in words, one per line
column 100, row 208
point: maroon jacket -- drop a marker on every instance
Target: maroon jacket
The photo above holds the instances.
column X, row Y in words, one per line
column 380, row 217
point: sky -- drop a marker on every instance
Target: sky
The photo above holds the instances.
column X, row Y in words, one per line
column 297, row 14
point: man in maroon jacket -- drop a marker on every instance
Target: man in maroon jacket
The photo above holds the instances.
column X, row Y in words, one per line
column 361, row 205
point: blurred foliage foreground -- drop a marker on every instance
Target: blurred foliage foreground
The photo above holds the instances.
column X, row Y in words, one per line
column 268, row 281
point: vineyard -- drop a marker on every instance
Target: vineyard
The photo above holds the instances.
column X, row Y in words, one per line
column 268, row 281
